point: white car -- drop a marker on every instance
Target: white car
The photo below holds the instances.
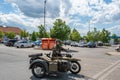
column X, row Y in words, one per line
column 22, row 44
column 75, row 44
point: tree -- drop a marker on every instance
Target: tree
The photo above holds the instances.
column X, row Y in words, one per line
column 75, row 35
column 33, row 36
column 60, row 30
column 10, row 35
column 42, row 32
column 93, row 35
column 37, row 34
column 114, row 36
column 24, row 34
column 105, row 36
column 1, row 34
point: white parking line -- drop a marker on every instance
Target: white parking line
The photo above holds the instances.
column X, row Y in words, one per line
column 103, row 74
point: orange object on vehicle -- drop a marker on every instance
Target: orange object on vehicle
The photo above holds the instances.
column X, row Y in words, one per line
column 48, row 43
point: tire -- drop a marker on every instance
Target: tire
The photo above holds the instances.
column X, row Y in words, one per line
column 32, row 45
column 22, row 46
column 36, row 70
column 32, row 59
column 75, row 67
column 118, row 50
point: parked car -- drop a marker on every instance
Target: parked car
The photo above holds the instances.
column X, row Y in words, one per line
column 22, row 44
column 75, row 44
column 100, row 43
column 68, row 42
column 90, row 44
column 82, row 44
column 10, row 42
column 38, row 42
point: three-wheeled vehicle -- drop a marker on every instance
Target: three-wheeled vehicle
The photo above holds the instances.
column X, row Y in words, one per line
column 43, row 64
column 118, row 48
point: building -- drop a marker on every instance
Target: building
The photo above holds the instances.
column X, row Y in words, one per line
column 15, row 30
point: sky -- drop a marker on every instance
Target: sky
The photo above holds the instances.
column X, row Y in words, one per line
column 83, row 15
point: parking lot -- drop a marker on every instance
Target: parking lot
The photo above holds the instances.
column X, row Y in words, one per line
column 14, row 63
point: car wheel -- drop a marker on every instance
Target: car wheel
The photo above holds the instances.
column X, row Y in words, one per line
column 32, row 45
column 22, row 46
column 75, row 67
column 38, row 70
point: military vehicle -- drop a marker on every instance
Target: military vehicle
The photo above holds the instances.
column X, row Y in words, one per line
column 42, row 64
column 118, row 48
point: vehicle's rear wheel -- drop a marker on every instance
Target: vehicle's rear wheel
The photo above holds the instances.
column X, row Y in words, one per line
column 38, row 70
column 75, row 67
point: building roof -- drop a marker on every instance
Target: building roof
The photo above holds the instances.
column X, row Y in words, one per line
column 16, row 30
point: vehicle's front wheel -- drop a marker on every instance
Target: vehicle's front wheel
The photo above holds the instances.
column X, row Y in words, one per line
column 75, row 67
column 38, row 70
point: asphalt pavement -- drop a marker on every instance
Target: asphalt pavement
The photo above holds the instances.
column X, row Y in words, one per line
column 14, row 63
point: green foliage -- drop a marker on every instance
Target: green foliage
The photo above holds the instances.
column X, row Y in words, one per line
column 60, row 30
column 1, row 34
column 37, row 34
column 33, row 36
column 24, row 34
column 107, row 44
column 114, row 36
column 93, row 35
column 98, row 36
column 75, row 35
column 42, row 32
column 10, row 35
column 104, row 36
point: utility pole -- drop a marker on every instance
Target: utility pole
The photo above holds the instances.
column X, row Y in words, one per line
column 89, row 26
column 44, row 11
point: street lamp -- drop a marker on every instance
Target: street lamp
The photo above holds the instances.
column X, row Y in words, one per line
column 44, row 11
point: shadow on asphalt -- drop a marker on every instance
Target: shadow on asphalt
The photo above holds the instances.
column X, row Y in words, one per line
column 70, row 51
column 64, row 76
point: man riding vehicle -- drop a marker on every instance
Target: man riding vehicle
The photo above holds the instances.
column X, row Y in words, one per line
column 57, row 49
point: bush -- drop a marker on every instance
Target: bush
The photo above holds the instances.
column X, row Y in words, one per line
column 107, row 44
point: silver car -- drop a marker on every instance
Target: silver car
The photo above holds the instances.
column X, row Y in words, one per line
column 23, row 44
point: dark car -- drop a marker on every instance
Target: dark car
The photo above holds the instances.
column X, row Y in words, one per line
column 91, row 44
column 10, row 42
column 38, row 42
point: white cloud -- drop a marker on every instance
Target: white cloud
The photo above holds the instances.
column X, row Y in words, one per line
column 35, row 8
column 29, row 13
column 108, row 13
column 19, row 21
column 115, row 30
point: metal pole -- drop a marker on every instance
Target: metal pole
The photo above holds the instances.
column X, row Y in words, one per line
column 44, row 11
column 89, row 26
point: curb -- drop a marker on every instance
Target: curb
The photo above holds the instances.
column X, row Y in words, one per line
column 113, row 53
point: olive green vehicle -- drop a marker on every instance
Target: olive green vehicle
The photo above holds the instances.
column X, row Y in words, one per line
column 43, row 64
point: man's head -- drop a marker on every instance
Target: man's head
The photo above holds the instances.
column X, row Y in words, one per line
column 58, row 42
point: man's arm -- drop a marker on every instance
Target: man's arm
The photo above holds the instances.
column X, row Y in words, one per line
column 63, row 49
